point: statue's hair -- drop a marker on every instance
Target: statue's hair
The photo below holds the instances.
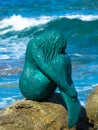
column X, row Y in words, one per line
column 52, row 43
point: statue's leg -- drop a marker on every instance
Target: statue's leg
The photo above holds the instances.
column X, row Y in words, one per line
column 74, row 109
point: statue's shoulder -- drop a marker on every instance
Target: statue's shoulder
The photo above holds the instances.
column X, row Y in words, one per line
column 62, row 61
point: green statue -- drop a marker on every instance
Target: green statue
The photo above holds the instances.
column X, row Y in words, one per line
column 46, row 67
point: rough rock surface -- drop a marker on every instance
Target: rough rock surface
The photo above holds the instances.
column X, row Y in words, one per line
column 32, row 115
column 49, row 115
column 92, row 107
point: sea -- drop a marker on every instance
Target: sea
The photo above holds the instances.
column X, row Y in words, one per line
column 22, row 20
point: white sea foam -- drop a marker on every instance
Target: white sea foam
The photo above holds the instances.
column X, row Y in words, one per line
column 6, row 101
column 2, row 49
column 94, row 85
column 82, row 17
column 86, row 88
column 82, row 103
column 76, row 54
column 4, row 57
column 3, row 104
column 5, row 31
column 19, row 23
column 12, row 47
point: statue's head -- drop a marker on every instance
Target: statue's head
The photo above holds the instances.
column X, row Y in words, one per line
column 52, row 43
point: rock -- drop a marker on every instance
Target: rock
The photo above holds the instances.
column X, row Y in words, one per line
column 92, row 107
column 32, row 115
column 49, row 115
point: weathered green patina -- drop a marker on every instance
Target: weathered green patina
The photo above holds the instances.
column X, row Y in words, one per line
column 46, row 67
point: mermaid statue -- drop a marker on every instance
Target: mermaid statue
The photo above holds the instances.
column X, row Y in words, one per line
column 47, row 66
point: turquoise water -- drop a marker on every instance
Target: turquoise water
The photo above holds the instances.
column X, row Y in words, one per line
column 21, row 20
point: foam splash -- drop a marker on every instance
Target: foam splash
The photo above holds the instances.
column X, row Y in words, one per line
column 78, row 55
column 19, row 23
column 13, row 48
column 3, row 57
column 5, row 102
column 82, row 17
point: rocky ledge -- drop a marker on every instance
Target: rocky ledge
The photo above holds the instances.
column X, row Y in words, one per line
column 32, row 115
column 92, row 107
column 49, row 115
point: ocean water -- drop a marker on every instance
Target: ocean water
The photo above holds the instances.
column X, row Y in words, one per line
column 22, row 20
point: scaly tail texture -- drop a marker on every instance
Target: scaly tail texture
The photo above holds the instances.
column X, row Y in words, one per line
column 74, row 109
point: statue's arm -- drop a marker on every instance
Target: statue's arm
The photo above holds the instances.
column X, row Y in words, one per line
column 46, row 68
